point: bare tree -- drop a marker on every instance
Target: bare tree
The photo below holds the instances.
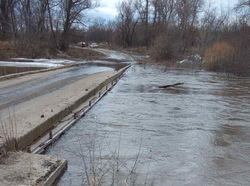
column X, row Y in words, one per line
column 6, row 17
column 127, row 22
column 243, row 3
column 97, row 31
column 187, row 12
column 142, row 8
column 164, row 11
column 211, row 27
column 51, row 25
column 42, row 8
column 28, row 15
column 72, row 12
column 243, row 9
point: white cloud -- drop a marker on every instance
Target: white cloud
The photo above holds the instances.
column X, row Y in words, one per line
column 107, row 11
column 107, row 8
column 109, row 3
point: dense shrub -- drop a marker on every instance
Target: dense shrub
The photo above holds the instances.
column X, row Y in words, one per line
column 84, row 54
column 219, row 57
column 30, row 48
column 240, row 39
column 33, row 48
column 232, row 55
column 241, row 65
column 6, row 50
column 164, row 48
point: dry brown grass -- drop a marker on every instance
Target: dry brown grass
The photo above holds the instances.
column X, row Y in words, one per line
column 8, row 130
column 29, row 49
column 138, row 50
column 163, row 49
column 219, row 56
column 25, row 48
column 84, row 53
column 6, row 50
column 33, row 48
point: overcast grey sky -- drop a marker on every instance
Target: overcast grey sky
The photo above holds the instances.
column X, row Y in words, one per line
column 107, row 8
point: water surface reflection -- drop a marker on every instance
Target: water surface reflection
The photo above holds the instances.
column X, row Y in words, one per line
column 194, row 134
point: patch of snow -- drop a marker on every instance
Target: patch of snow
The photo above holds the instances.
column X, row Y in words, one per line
column 191, row 59
column 183, row 61
column 54, row 61
column 23, row 59
column 116, row 56
column 43, row 60
column 29, row 64
column 101, row 62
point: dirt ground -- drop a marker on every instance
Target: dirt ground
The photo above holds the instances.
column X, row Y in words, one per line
column 27, row 169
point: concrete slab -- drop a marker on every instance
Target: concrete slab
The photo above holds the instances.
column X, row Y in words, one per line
column 29, row 120
column 28, row 169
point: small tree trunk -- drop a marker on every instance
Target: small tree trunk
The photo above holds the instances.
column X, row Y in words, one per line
column 64, row 44
column 51, row 25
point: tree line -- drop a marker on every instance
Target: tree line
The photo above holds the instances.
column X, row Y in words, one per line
column 185, row 23
column 173, row 29
column 169, row 29
column 36, row 22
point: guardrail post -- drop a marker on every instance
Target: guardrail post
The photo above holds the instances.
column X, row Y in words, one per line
column 50, row 135
column 28, row 149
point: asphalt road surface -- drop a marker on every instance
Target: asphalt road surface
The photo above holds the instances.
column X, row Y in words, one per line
column 25, row 88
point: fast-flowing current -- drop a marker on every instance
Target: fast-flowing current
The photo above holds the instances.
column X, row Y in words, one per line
column 197, row 133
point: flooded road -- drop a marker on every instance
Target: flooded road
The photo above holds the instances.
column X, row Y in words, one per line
column 195, row 134
column 13, row 94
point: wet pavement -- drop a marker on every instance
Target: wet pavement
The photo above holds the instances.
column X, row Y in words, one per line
column 29, row 64
column 197, row 133
column 6, row 70
column 13, row 94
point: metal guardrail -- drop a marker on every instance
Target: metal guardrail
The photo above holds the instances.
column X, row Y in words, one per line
column 54, row 137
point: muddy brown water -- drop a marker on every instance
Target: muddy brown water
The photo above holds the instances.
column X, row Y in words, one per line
column 195, row 134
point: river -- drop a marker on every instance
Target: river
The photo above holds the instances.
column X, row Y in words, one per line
column 197, row 133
